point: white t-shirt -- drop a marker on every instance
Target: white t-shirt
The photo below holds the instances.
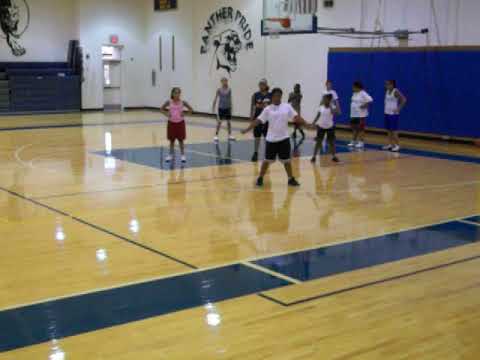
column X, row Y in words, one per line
column 358, row 99
column 391, row 102
column 334, row 97
column 331, row 92
column 278, row 117
column 326, row 117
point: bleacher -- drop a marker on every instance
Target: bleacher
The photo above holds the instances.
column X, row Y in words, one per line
column 29, row 87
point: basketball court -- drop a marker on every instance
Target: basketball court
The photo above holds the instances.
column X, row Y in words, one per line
column 112, row 252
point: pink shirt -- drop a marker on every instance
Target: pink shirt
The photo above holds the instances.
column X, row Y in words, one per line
column 176, row 111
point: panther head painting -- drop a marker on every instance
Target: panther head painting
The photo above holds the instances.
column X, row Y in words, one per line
column 227, row 45
column 14, row 21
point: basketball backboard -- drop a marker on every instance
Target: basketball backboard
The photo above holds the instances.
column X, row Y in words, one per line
column 285, row 17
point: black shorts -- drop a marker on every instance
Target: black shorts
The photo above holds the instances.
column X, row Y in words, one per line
column 330, row 134
column 360, row 122
column 225, row 114
column 282, row 149
column 260, row 130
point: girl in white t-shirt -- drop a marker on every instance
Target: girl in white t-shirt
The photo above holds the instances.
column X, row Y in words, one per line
column 335, row 100
column 361, row 101
column 335, row 104
column 394, row 103
column 325, row 125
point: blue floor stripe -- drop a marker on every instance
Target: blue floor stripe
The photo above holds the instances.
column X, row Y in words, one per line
column 475, row 219
column 58, row 319
column 337, row 259
column 424, row 153
column 76, row 315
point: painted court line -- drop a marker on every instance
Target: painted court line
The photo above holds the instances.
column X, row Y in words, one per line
column 101, row 310
column 271, row 272
column 248, row 260
column 373, row 283
column 469, row 222
column 106, row 231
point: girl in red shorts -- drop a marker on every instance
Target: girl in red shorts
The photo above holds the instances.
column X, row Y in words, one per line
column 176, row 130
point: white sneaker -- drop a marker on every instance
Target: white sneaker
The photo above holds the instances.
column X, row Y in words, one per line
column 351, row 144
column 387, row 147
column 360, row 145
column 215, row 139
column 396, row 148
column 184, row 159
column 231, row 138
column 168, row 158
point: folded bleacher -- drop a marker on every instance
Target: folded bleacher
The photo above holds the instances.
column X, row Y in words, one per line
column 30, row 87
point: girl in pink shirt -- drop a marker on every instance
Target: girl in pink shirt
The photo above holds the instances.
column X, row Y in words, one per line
column 176, row 129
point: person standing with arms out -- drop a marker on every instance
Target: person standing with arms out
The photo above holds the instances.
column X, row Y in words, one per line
column 325, row 127
column 224, row 111
column 361, row 101
column 295, row 99
column 394, row 103
column 176, row 129
column 260, row 100
column 278, row 115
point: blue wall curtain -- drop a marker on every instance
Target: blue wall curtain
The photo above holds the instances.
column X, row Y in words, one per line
column 442, row 87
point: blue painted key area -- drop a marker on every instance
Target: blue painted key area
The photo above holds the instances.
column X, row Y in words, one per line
column 200, row 155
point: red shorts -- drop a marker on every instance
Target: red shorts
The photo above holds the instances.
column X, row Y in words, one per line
column 176, row 131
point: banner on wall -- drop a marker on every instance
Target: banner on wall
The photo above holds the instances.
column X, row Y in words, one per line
column 14, row 22
column 226, row 34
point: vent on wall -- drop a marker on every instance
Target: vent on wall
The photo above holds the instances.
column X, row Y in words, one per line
column 328, row 3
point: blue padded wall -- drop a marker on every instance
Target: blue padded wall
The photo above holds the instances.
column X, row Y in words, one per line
column 441, row 87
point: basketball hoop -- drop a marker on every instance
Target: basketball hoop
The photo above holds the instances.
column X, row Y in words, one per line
column 283, row 17
column 285, row 22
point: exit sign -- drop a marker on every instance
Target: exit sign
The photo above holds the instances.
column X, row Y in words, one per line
column 163, row 5
column 114, row 39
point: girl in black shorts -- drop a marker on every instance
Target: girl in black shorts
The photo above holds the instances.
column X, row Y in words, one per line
column 224, row 98
column 324, row 123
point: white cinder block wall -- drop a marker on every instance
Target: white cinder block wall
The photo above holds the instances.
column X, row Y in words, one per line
column 52, row 25
column 291, row 59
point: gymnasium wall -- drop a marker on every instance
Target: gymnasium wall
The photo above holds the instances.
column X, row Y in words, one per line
column 250, row 58
column 174, row 72
column 304, row 58
column 97, row 20
column 52, row 25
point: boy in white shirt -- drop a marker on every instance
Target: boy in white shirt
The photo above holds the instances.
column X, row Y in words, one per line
column 325, row 126
column 277, row 115
column 361, row 100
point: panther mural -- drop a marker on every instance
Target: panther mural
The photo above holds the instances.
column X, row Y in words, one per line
column 14, row 21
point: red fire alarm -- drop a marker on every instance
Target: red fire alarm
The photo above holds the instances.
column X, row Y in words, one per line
column 114, row 39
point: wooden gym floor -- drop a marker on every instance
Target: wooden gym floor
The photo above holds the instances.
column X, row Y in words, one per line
column 108, row 253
